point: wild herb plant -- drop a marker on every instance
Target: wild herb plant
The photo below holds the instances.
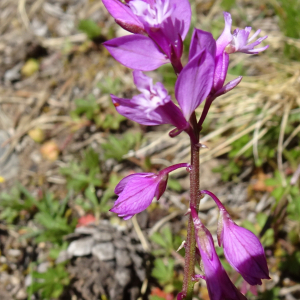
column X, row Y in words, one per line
column 159, row 28
column 50, row 284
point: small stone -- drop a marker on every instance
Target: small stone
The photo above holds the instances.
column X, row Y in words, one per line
column 102, row 236
column 3, row 259
column 28, row 280
column 50, row 150
column 14, row 281
column 81, row 247
column 14, row 253
column 86, row 230
column 104, row 251
column 120, row 244
column 43, row 267
column 123, row 258
column 30, row 67
column 13, row 73
column 21, row 294
column 123, row 276
column 63, row 256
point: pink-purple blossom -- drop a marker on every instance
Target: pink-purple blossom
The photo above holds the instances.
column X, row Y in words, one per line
column 153, row 106
column 242, row 248
column 137, row 191
column 229, row 43
column 195, row 81
column 218, row 283
column 161, row 24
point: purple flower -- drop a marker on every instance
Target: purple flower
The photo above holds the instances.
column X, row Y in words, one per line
column 218, row 283
column 203, row 40
column 161, row 24
column 152, row 107
column 137, row 191
column 242, row 248
column 240, row 42
column 229, row 43
column 195, row 81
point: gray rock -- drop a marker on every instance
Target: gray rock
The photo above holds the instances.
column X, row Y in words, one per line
column 120, row 244
column 86, row 230
column 102, row 236
column 13, row 73
column 28, row 280
column 43, row 267
column 104, row 251
column 81, row 247
column 123, row 259
column 63, row 256
column 123, row 276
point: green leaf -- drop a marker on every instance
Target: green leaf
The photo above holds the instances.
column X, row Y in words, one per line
column 117, row 147
column 268, row 238
column 163, row 272
column 89, row 107
column 49, row 284
column 154, row 297
column 174, row 185
column 158, row 239
column 261, row 219
column 89, row 27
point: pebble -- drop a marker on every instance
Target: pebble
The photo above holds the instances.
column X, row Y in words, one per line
column 101, row 236
column 122, row 257
column 123, row 276
column 104, row 251
column 14, row 253
column 81, row 247
column 21, row 294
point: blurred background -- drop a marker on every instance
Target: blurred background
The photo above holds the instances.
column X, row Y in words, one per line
column 64, row 148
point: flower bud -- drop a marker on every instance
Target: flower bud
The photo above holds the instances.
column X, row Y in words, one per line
column 243, row 250
column 137, row 191
column 218, row 283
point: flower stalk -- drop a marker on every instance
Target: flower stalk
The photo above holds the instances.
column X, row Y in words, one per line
column 190, row 248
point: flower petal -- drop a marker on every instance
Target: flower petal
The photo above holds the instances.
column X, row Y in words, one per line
column 194, row 82
column 181, row 16
column 226, row 36
column 134, row 112
column 244, row 252
column 136, row 196
column 222, row 62
column 121, row 185
column 218, row 283
column 168, row 113
column 142, row 82
column 202, row 40
column 124, row 16
column 136, row 52
column 228, row 87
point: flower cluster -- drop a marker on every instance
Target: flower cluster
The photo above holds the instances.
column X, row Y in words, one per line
column 158, row 29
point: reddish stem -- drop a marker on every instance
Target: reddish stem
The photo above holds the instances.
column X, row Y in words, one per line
column 190, row 248
column 215, row 198
column 206, row 108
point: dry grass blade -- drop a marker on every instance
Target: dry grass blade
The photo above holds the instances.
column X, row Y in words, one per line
column 280, row 141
